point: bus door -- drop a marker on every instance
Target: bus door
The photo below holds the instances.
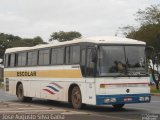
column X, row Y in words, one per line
column 90, row 65
column 90, row 74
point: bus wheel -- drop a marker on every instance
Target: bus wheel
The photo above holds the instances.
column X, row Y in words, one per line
column 76, row 98
column 118, row 106
column 20, row 94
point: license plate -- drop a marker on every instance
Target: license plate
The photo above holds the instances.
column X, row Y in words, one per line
column 127, row 99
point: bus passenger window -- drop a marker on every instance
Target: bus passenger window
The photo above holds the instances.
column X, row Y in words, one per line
column 83, row 61
column 60, row 55
column 12, row 60
column 44, row 57
column 67, row 56
column 32, row 58
column 57, row 56
column 75, row 54
column 54, row 57
column 7, row 60
column 22, row 59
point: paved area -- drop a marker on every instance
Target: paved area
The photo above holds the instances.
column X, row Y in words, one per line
column 10, row 105
column 30, row 108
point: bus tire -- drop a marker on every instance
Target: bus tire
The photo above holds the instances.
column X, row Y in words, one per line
column 20, row 94
column 118, row 106
column 76, row 98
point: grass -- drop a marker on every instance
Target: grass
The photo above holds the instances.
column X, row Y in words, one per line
column 154, row 90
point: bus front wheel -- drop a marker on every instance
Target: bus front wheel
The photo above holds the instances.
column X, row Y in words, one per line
column 76, row 98
column 118, row 106
column 20, row 94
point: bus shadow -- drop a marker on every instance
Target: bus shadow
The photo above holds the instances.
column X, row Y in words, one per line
column 88, row 108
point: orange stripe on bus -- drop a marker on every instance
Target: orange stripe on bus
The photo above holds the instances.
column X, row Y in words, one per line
column 48, row 74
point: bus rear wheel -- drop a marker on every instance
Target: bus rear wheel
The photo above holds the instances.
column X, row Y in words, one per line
column 118, row 106
column 20, row 94
column 76, row 98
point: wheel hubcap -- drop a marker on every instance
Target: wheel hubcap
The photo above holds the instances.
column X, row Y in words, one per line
column 76, row 97
column 20, row 92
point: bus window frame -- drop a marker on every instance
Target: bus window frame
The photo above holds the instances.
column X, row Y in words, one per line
column 21, row 61
column 81, row 44
column 39, row 55
column 37, row 58
column 95, row 63
column 14, row 59
column 59, row 47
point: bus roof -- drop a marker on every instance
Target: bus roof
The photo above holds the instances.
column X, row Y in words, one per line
column 96, row 40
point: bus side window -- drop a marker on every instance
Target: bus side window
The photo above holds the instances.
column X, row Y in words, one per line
column 7, row 60
column 67, row 55
column 57, row 57
column 90, row 63
column 22, row 59
column 83, row 61
column 54, row 56
column 32, row 58
column 44, row 57
column 13, row 60
column 75, row 54
column 60, row 56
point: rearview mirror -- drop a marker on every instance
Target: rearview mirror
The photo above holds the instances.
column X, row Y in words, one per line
column 149, row 48
column 150, row 52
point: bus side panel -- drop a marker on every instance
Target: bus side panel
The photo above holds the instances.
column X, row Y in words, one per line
column 58, row 90
column 10, row 86
column 34, row 89
column 13, row 86
column 53, row 90
column 90, row 94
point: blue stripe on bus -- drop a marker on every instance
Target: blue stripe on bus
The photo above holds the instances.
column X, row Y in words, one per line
column 53, row 88
column 120, row 98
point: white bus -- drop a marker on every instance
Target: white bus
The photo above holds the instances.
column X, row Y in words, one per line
column 94, row 71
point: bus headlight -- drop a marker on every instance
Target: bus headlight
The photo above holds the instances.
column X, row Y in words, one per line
column 147, row 98
column 113, row 100
column 109, row 100
column 141, row 98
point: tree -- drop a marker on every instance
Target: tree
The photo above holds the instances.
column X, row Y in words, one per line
column 9, row 41
column 62, row 36
column 151, row 15
column 38, row 40
column 149, row 32
column 32, row 41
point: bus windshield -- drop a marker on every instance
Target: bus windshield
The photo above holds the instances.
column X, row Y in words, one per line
column 121, row 61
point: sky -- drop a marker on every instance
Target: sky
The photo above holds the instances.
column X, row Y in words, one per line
column 31, row 18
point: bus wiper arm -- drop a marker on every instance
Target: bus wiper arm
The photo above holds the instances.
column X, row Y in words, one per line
column 120, row 75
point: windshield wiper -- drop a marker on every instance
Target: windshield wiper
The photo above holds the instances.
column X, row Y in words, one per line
column 120, row 75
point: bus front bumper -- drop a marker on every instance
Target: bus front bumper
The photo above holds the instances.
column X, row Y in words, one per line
column 122, row 99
